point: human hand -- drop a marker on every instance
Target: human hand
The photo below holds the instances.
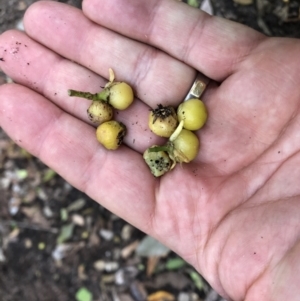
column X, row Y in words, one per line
column 234, row 212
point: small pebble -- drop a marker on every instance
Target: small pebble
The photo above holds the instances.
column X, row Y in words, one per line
column 27, row 243
column 78, row 220
column 2, row 256
column 126, row 232
column 14, row 205
column 106, row 234
column 101, row 265
column 48, row 211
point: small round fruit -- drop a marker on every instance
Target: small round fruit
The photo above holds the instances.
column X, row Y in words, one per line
column 194, row 114
column 120, row 95
column 163, row 121
column 110, row 134
column 159, row 162
column 186, row 146
column 99, row 112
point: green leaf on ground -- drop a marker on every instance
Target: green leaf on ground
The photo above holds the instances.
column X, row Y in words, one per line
column 194, row 3
column 22, row 174
column 64, row 215
column 175, row 263
column 83, row 294
column 198, row 280
column 150, row 247
column 66, row 233
column 76, row 205
column 48, row 175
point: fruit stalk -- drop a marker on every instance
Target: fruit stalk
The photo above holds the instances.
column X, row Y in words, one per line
column 94, row 97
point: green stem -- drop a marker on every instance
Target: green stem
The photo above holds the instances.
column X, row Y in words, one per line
column 163, row 148
column 81, row 94
column 103, row 95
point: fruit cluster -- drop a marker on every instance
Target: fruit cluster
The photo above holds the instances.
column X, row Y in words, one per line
column 182, row 145
column 115, row 95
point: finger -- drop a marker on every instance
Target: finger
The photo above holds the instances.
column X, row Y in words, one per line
column 211, row 45
column 44, row 71
column 155, row 76
column 68, row 145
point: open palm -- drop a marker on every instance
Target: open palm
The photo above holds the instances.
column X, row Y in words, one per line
column 234, row 212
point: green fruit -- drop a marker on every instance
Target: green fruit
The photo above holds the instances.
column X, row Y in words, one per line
column 186, row 146
column 163, row 121
column 111, row 134
column 120, row 95
column 194, row 114
column 159, row 162
column 100, row 112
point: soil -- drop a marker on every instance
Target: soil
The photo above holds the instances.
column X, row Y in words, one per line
column 56, row 242
column 280, row 18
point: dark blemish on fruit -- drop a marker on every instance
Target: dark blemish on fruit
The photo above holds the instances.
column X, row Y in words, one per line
column 161, row 112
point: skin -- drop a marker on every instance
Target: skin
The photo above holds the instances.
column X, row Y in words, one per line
column 234, row 213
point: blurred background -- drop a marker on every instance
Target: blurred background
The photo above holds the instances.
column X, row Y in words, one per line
column 57, row 244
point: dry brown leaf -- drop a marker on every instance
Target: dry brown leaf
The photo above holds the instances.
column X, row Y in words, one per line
column 161, row 296
column 29, row 197
column 12, row 236
column 35, row 215
column 81, row 272
column 128, row 250
column 151, row 264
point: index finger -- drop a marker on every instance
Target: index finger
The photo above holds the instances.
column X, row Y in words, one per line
column 155, row 76
column 212, row 45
